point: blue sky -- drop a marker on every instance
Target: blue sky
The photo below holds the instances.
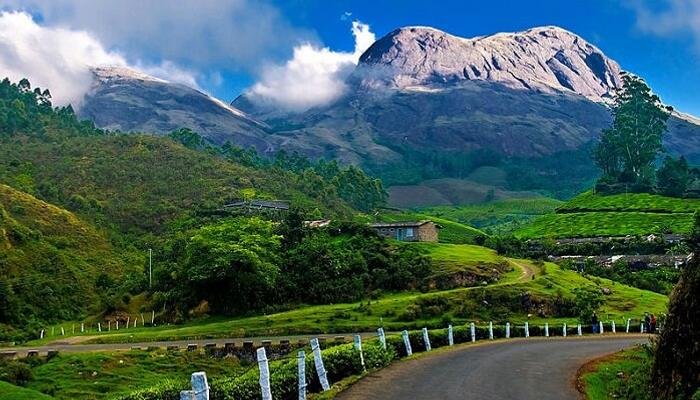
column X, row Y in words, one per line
column 226, row 46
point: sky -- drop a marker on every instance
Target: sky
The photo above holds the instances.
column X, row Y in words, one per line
column 296, row 52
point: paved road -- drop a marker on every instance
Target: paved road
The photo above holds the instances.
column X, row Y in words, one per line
column 541, row 369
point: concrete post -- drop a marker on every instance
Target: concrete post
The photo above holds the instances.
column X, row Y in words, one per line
column 407, row 343
column 41, row 334
column 641, row 327
column 601, row 327
column 579, row 330
column 82, row 328
column 527, row 330
column 507, row 330
column 301, row 371
column 117, row 324
column 358, row 347
column 264, row 374
column 99, row 327
column 613, row 327
column 63, row 332
column 136, row 320
column 627, row 328
column 153, row 317
column 109, row 326
column 563, row 330
column 490, row 330
column 450, row 337
column 200, row 386
column 426, row 339
column 128, row 322
column 318, row 361
column 546, row 329
column 382, row 337
column 472, row 331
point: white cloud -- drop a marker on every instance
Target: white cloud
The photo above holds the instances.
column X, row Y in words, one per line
column 314, row 76
column 60, row 59
column 204, row 35
column 669, row 17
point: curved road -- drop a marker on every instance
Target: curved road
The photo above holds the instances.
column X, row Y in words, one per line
column 535, row 368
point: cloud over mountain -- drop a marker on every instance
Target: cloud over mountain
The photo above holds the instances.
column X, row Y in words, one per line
column 314, row 76
column 61, row 59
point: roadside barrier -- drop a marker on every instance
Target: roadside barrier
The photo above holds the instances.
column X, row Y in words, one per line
column 119, row 323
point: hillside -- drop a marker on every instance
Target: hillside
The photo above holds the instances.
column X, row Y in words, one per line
column 450, row 231
column 50, row 261
column 590, row 215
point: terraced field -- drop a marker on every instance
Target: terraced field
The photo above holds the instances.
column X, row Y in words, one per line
column 590, row 215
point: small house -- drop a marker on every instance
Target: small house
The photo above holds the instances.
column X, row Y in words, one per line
column 420, row 231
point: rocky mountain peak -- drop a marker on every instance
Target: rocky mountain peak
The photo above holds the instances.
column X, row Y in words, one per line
column 545, row 58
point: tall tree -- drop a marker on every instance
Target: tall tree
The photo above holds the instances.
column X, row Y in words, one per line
column 635, row 137
column 673, row 177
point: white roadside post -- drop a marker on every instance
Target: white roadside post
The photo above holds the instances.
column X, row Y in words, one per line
column 264, row 374
column 613, row 327
column 153, row 317
column 406, row 343
column 579, row 331
column 490, row 330
column 82, row 327
column 301, row 370
column 527, row 330
column 117, row 324
column 73, row 329
column 641, row 327
column 41, row 334
column 563, row 330
column 128, row 322
column 136, row 320
column 318, row 361
column 472, row 331
column 143, row 321
column 63, row 332
column 507, row 330
column 601, row 327
column 546, row 329
column 109, row 326
column 450, row 336
column 358, row 347
column 99, row 327
column 627, row 329
column 382, row 337
column 200, row 388
column 53, row 331
column 426, row 339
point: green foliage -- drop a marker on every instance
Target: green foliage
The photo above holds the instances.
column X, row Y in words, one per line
column 676, row 371
column 188, row 138
column 658, row 279
column 629, row 147
column 634, row 383
column 673, row 177
column 587, row 301
column 450, row 231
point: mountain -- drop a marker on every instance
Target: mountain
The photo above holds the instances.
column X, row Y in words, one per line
column 424, row 104
column 128, row 100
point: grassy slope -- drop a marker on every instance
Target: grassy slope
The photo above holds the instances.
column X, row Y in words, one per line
column 451, row 231
column 462, row 305
column 603, row 383
column 617, row 215
column 105, row 374
column 12, row 392
column 497, row 216
column 50, row 256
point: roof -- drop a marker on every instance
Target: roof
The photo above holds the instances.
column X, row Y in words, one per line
column 273, row 204
column 408, row 224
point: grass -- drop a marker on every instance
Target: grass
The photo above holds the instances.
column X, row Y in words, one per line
column 497, row 216
column 591, row 215
column 12, row 392
column 450, row 232
column 593, row 224
column 101, row 375
column 601, row 381
column 499, row 301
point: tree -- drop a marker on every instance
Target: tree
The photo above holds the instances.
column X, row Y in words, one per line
column 676, row 369
column 632, row 143
column 188, row 138
column 233, row 264
column 673, row 177
column 587, row 301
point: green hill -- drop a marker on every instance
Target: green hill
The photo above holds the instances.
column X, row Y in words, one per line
column 589, row 215
column 50, row 261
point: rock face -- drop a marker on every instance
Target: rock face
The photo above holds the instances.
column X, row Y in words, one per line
column 127, row 100
column 547, row 59
column 419, row 92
